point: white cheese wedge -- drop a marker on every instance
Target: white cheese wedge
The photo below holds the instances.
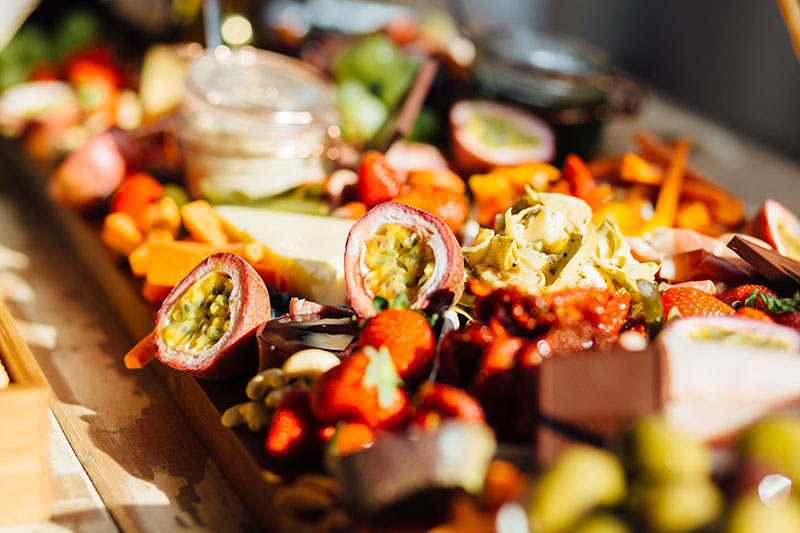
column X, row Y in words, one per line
column 315, row 243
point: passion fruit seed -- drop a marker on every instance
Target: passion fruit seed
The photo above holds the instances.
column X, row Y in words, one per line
column 398, row 262
column 498, row 131
column 201, row 315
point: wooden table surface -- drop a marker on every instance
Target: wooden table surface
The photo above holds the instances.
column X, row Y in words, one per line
column 123, row 456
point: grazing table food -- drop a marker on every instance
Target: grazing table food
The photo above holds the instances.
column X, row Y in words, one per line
column 377, row 326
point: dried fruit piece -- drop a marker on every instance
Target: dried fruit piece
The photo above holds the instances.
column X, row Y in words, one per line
column 205, row 325
column 398, row 251
column 134, row 195
column 778, row 226
column 450, row 206
column 487, row 134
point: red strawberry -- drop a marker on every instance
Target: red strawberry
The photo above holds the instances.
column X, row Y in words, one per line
column 408, row 337
column 294, row 431
column 791, row 319
column 363, row 388
column 753, row 314
column 692, row 302
column 437, row 401
column 349, row 438
column 743, row 293
column 377, row 181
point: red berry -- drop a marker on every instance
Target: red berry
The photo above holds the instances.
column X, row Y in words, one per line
column 408, row 337
column 753, row 314
column 693, row 302
column 377, row 181
column 743, row 292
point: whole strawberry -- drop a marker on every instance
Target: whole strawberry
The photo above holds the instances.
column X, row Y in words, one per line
column 377, row 181
column 408, row 337
column 294, row 431
column 364, row 388
column 687, row 301
column 747, row 295
column 791, row 319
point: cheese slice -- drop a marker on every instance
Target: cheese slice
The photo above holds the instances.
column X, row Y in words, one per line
column 314, row 244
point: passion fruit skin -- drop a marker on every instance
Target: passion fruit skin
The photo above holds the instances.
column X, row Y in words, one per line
column 443, row 287
column 235, row 351
column 471, row 156
column 765, row 226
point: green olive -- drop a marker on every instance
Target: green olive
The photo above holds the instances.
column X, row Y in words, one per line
column 676, row 506
column 581, row 479
column 201, row 315
column 750, row 514
column 655, row 451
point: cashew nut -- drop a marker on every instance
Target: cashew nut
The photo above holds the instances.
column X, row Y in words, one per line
column 255, row 414
column 310, row 362
column 260, row 384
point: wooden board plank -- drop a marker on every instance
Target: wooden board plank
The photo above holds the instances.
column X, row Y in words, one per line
column 148, row 466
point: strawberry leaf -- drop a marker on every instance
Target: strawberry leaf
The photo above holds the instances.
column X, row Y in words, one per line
column 381, row 374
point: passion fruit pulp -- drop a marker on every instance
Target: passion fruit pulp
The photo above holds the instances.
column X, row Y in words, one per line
column 398, row 251
column 488, row 134
column 201, row 316
column 399, row 262
column 777, row 225
column 206, row 325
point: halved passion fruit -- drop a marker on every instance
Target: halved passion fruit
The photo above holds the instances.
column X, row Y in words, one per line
column 778, row 226
column 397, row 251
column 487, row 134
column 206, row 325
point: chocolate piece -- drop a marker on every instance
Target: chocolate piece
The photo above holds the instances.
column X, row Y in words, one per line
column 589, row 396
column 783, row 272
column 399, row 465
column 281, row 337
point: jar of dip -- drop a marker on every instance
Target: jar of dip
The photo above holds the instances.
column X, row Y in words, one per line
column 255, row 124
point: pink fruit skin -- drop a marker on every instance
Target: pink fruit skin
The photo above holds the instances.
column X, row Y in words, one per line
column 764, row 224
column 90, row 175
column 470, row 160
column 236, row 351
column 445, row 285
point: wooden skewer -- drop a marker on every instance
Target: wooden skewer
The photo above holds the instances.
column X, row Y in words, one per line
column 790, row 11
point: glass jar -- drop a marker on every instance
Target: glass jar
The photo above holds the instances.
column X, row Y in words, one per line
column 567, row 82
column 255, row 124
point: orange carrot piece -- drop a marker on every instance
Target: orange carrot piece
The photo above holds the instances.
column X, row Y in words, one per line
column 637, row 169
column 670, row 192
column 203, row 223
column 726, row 209
column 141, row 354
column 154, row 294
column 605, row 168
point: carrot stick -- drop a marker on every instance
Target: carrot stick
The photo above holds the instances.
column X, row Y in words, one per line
column 141, row 354
column 726, row 209
column 670, row 192
column 790, row 11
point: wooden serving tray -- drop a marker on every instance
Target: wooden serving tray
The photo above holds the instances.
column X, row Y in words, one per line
column 25, row 478
column 240, row 454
